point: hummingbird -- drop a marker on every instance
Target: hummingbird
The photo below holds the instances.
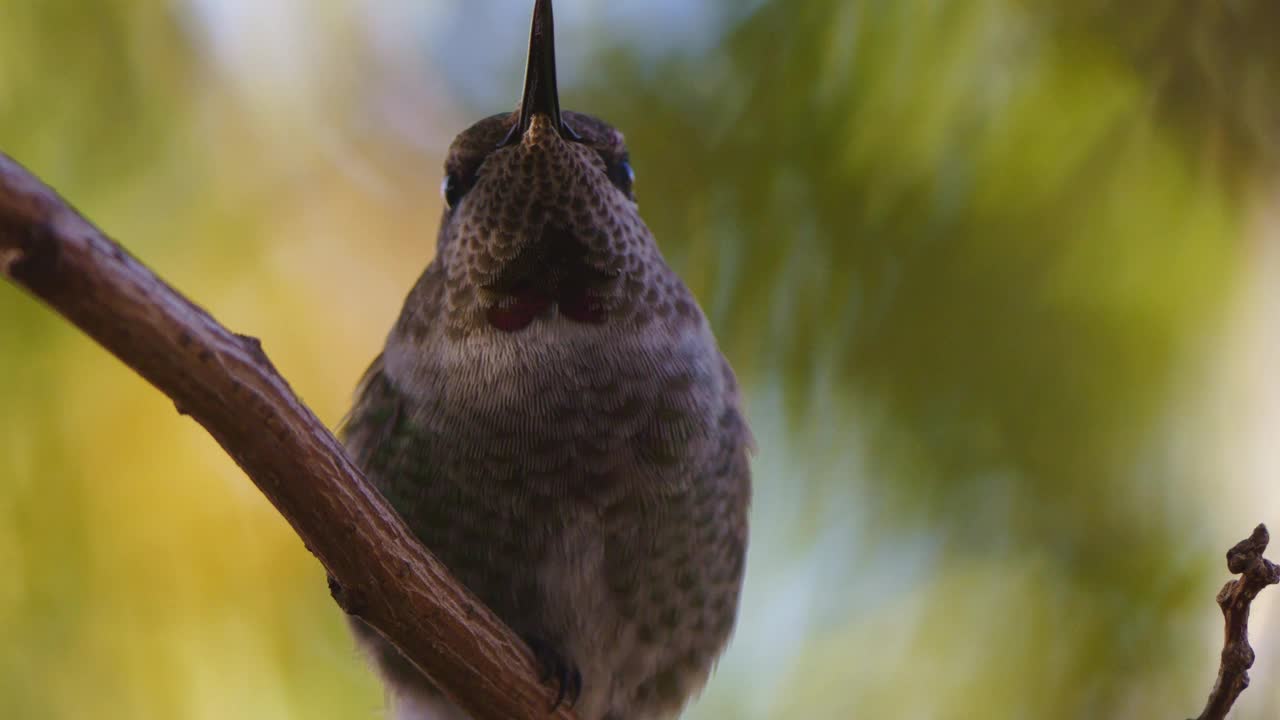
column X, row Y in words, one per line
column 553, row 419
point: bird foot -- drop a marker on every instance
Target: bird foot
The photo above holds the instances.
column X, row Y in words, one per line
column 552, row 666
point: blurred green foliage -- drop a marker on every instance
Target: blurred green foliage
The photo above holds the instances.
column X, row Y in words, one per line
column 967, row 256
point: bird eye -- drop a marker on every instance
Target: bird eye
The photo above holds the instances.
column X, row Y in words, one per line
column 622, row 175
column 451, row 190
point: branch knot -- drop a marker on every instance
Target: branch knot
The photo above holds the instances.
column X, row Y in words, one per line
column 1256, row 572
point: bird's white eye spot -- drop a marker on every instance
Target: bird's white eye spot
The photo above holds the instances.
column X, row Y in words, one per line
column 446, row 185
column 451, row 190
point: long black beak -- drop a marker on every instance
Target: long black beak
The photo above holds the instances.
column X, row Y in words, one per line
column 540, row 93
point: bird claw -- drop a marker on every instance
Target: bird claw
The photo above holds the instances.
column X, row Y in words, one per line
column 552, row 666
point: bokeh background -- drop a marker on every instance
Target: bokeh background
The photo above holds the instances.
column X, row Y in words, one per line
column 999, row 276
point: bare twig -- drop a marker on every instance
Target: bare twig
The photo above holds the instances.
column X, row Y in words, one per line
column 1256, row 572
column 226, row 383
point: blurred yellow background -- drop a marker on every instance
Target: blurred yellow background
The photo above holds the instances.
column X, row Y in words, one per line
column 999, row 277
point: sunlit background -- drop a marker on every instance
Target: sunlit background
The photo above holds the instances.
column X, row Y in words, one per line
column 1000, row 278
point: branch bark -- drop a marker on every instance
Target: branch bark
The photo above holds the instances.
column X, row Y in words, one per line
column 1235, row 599
column 379, row 571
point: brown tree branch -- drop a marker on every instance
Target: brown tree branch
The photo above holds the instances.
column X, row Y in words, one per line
column 1257, row 572
column 226, row 383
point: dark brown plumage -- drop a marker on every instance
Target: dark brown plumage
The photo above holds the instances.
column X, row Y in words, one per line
column 552, row 417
